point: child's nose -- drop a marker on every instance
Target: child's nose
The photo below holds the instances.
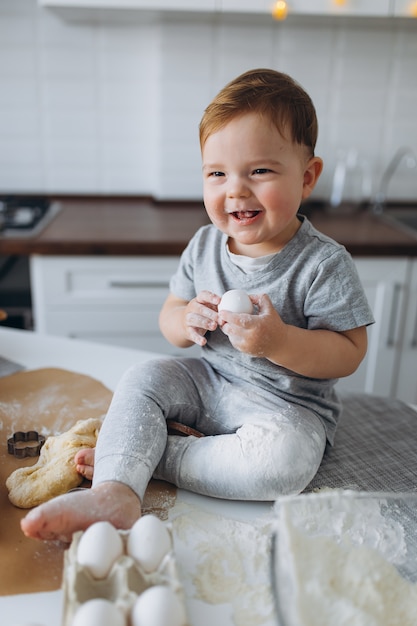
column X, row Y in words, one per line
column 238, row 188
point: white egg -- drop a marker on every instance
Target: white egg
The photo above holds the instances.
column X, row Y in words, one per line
column 158, row 606
column 148, row 542
column 98, row 612
column 99, row 547
column 237, row 301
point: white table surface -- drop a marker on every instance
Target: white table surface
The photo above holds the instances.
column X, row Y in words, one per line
column 106, row 364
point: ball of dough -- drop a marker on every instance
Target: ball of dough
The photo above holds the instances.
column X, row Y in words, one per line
column 55, row 472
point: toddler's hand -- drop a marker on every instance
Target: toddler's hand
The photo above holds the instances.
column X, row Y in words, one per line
column 254, row 334
column 201, row 316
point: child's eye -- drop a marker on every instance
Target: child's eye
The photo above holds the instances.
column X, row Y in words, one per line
column 261, row 170
column 216, row 174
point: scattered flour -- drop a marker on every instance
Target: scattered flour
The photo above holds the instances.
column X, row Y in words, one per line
column 339, row 581
column 335, row 564
column 231, row 562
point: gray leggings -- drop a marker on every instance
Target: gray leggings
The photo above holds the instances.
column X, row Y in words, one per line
column 256, row 446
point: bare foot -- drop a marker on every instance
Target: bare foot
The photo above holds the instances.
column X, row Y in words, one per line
column 84, row 462
column 59, row 518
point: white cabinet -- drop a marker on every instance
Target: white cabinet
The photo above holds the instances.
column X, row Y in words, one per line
column 385, row 281
column 329, row 7
column 376, row 8
column 112, row 300
column 306, row 7
column 246, row 6
column 116, row 300
column 148, row 5
column 407, row 371
column 405, row 8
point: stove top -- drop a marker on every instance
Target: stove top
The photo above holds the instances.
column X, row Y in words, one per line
column 22, row 216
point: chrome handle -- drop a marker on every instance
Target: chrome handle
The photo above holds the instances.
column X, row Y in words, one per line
column 394, row 315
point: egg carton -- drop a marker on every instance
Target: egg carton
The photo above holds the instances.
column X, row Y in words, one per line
column 123, row 585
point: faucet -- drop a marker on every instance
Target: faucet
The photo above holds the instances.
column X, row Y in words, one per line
column 381, row 194
column 349, row 163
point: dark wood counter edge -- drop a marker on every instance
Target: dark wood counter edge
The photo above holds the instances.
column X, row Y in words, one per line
column 356, row 241
column 22, row 247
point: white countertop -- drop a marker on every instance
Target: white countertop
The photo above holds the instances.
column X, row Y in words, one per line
column 223, row 536
column 35, row 350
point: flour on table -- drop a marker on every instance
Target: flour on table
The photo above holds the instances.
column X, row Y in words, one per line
column 342, row 582
column 231, row 562
column 339, row 513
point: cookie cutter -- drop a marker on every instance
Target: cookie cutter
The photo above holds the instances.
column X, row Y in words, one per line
column 16, row 444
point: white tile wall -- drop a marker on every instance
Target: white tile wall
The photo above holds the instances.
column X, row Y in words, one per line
column 108, row 106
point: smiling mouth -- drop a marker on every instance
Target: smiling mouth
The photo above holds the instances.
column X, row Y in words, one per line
column 245, row 215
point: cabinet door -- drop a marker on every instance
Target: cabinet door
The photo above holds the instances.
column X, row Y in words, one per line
column 99, row 283
column 246, row 6
column 350, row 7
column 112, row 300
column 150, row 5
column 384, row 281
column 135, row 328
column 406, row 8
column 407, row 373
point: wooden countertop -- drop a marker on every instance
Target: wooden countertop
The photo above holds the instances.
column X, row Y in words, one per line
column 134, row 227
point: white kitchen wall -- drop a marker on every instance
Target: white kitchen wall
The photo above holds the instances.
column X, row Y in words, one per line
column 112, row 106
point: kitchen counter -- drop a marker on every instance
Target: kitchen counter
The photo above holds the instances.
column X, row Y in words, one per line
column 221, row 547
column 208, row 520
column 135, row 227
column 118, row 226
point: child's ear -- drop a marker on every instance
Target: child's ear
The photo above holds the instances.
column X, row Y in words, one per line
column 312, row 173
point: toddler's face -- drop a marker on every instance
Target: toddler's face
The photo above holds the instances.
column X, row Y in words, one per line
column 254, row 181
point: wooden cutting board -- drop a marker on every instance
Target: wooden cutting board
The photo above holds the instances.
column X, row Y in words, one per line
column 50, row 401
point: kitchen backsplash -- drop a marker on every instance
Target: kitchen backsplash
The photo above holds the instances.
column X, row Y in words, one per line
column 111, row 106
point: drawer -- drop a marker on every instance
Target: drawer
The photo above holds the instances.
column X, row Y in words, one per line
column 114, row 281
column 131, row 329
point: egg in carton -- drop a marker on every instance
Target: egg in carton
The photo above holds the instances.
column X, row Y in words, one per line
column 123, row 578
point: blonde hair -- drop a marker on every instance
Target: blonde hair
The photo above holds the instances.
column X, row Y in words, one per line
column 272, row 94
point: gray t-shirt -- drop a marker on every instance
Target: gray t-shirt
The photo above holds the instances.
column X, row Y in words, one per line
column 312, row 283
